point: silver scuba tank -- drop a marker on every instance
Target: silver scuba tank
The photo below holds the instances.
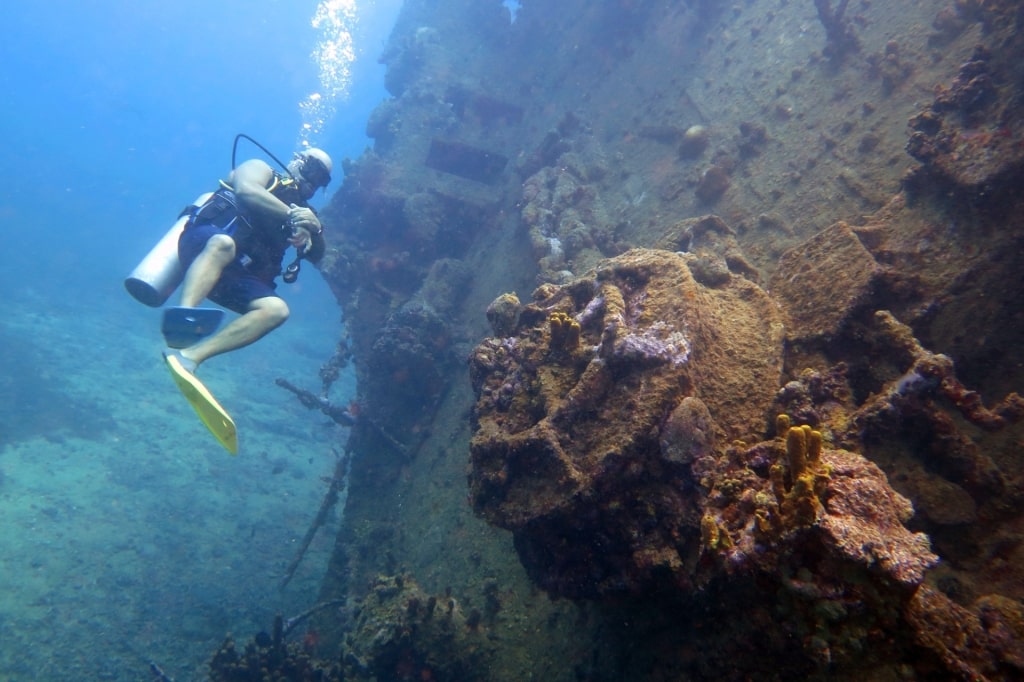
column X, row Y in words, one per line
column 156, row 277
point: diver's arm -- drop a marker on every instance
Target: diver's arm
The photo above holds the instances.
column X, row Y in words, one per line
column 250, row 181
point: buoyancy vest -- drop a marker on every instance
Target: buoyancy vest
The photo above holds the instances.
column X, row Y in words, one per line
column 260, row 248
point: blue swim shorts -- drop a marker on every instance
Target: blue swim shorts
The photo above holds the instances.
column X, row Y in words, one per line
column 237, row 287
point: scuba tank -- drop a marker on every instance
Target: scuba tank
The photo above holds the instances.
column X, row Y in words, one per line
column 156, row 277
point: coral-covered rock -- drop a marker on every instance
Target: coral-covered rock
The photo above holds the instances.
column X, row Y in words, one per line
column 865, row 517
column 268, row 656
column 401, row 632
column 614, row 460
column 712, row 184
column 503, row 314
column 569, row 437
column 713, row 248
column 688, row 432
column 821, row 536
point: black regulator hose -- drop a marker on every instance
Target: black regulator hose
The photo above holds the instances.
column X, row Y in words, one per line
column 234, row 153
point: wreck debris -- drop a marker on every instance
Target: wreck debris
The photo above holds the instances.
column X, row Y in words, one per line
column 268, row 656
column 971, row 135
column 334, row 486
column 409, row 358
column 158, row 673
column 932, row 373
column 822, row 281
column 339, row 414
column 330, row 371
column 561, row 203
column 893, row 69
column 399, row 632
column 348, row 415
column 472, row 163
column 916, row 395
column 297, row 620
column 921, row 398
column 984, row 642
column 600, row 504
column 716, row 255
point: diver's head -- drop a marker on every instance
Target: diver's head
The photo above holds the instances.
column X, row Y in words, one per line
column 312, row 168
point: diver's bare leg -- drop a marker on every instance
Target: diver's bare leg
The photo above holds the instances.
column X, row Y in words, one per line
column 206, row 269
column 264, row 315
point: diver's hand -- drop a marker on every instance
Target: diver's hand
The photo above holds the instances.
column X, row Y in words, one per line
column 300, row 239
column 300, row 218
column 304, row 225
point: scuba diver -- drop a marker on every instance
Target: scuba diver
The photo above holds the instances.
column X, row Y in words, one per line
column 228, row 246
column 231, row 250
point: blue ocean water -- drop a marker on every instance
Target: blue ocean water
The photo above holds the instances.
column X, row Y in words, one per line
column 128, row 535
column 117, row 113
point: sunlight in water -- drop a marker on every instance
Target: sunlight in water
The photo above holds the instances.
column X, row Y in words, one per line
column 334, row 55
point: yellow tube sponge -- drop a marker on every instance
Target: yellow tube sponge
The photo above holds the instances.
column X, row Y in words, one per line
column 565, row 332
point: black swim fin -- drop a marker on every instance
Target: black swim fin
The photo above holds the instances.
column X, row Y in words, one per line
column 184, row 327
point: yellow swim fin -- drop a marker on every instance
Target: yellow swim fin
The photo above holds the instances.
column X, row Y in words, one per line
column 216, row 418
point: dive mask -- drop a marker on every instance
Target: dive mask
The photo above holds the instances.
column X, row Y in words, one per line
column 314, row 171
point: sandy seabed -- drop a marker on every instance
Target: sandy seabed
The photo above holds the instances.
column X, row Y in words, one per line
column 128, row 535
